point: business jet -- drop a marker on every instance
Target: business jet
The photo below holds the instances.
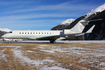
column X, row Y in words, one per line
column 50, row 35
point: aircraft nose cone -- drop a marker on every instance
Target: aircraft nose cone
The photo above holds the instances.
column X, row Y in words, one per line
column 3, row 36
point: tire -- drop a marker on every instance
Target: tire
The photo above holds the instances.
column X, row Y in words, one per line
column 52, row 41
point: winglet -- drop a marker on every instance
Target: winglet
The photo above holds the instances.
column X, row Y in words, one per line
column 90, row 30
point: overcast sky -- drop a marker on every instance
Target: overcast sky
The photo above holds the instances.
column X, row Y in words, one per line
column 42, row 14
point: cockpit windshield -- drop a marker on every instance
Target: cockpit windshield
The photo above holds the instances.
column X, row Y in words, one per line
column 10, row 32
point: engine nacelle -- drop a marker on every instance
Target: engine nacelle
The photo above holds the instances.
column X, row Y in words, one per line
column 66, row 31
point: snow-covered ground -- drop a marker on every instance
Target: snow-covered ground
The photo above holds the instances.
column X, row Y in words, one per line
column 81, row 55
column 59, row 41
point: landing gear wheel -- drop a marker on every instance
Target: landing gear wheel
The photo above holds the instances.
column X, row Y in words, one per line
column 9, row 42
column 52, row 41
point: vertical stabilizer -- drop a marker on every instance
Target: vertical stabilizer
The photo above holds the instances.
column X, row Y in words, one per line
column 78, row 28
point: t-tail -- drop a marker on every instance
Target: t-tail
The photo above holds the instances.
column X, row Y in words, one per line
column 78, row 28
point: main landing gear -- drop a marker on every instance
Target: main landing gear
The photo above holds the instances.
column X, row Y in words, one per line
column 52, row 41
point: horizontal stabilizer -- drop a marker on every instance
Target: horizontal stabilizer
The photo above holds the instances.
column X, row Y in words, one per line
column 95, row 20
column 83, row 22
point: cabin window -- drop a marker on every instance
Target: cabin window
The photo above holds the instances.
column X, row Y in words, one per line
column 45, row 33
column 33, row 32
column 25, row 33
column 19, row 32
column 42, row 32
column 39, row 32
column 22, row 32
column 28, row 32
column 36, row 32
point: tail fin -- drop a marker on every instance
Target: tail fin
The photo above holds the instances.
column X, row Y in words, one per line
column 78, row 28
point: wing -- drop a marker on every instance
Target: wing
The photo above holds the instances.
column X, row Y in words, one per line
column 54, row 37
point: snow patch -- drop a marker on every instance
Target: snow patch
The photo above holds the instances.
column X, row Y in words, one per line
column 9, row 46
column 54, row 68
column 67, row 22
column 50, row 51
column 2, row 55
column 102, row 64
column 94, row 11
column 5, row 29
column 77, row 48
column 53, row 49
column 18, row 54
column 43, row 45
column 29, row 51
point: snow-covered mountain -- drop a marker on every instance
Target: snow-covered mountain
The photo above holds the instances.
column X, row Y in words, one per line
column 5, row 29
column 63, row 24
column 94, row 11
column 98, row 32
column 67, row 22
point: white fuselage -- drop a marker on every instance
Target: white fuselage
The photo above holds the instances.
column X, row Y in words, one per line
column 31, row 34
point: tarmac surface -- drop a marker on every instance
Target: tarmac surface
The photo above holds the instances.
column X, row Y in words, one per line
column 56, row 42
